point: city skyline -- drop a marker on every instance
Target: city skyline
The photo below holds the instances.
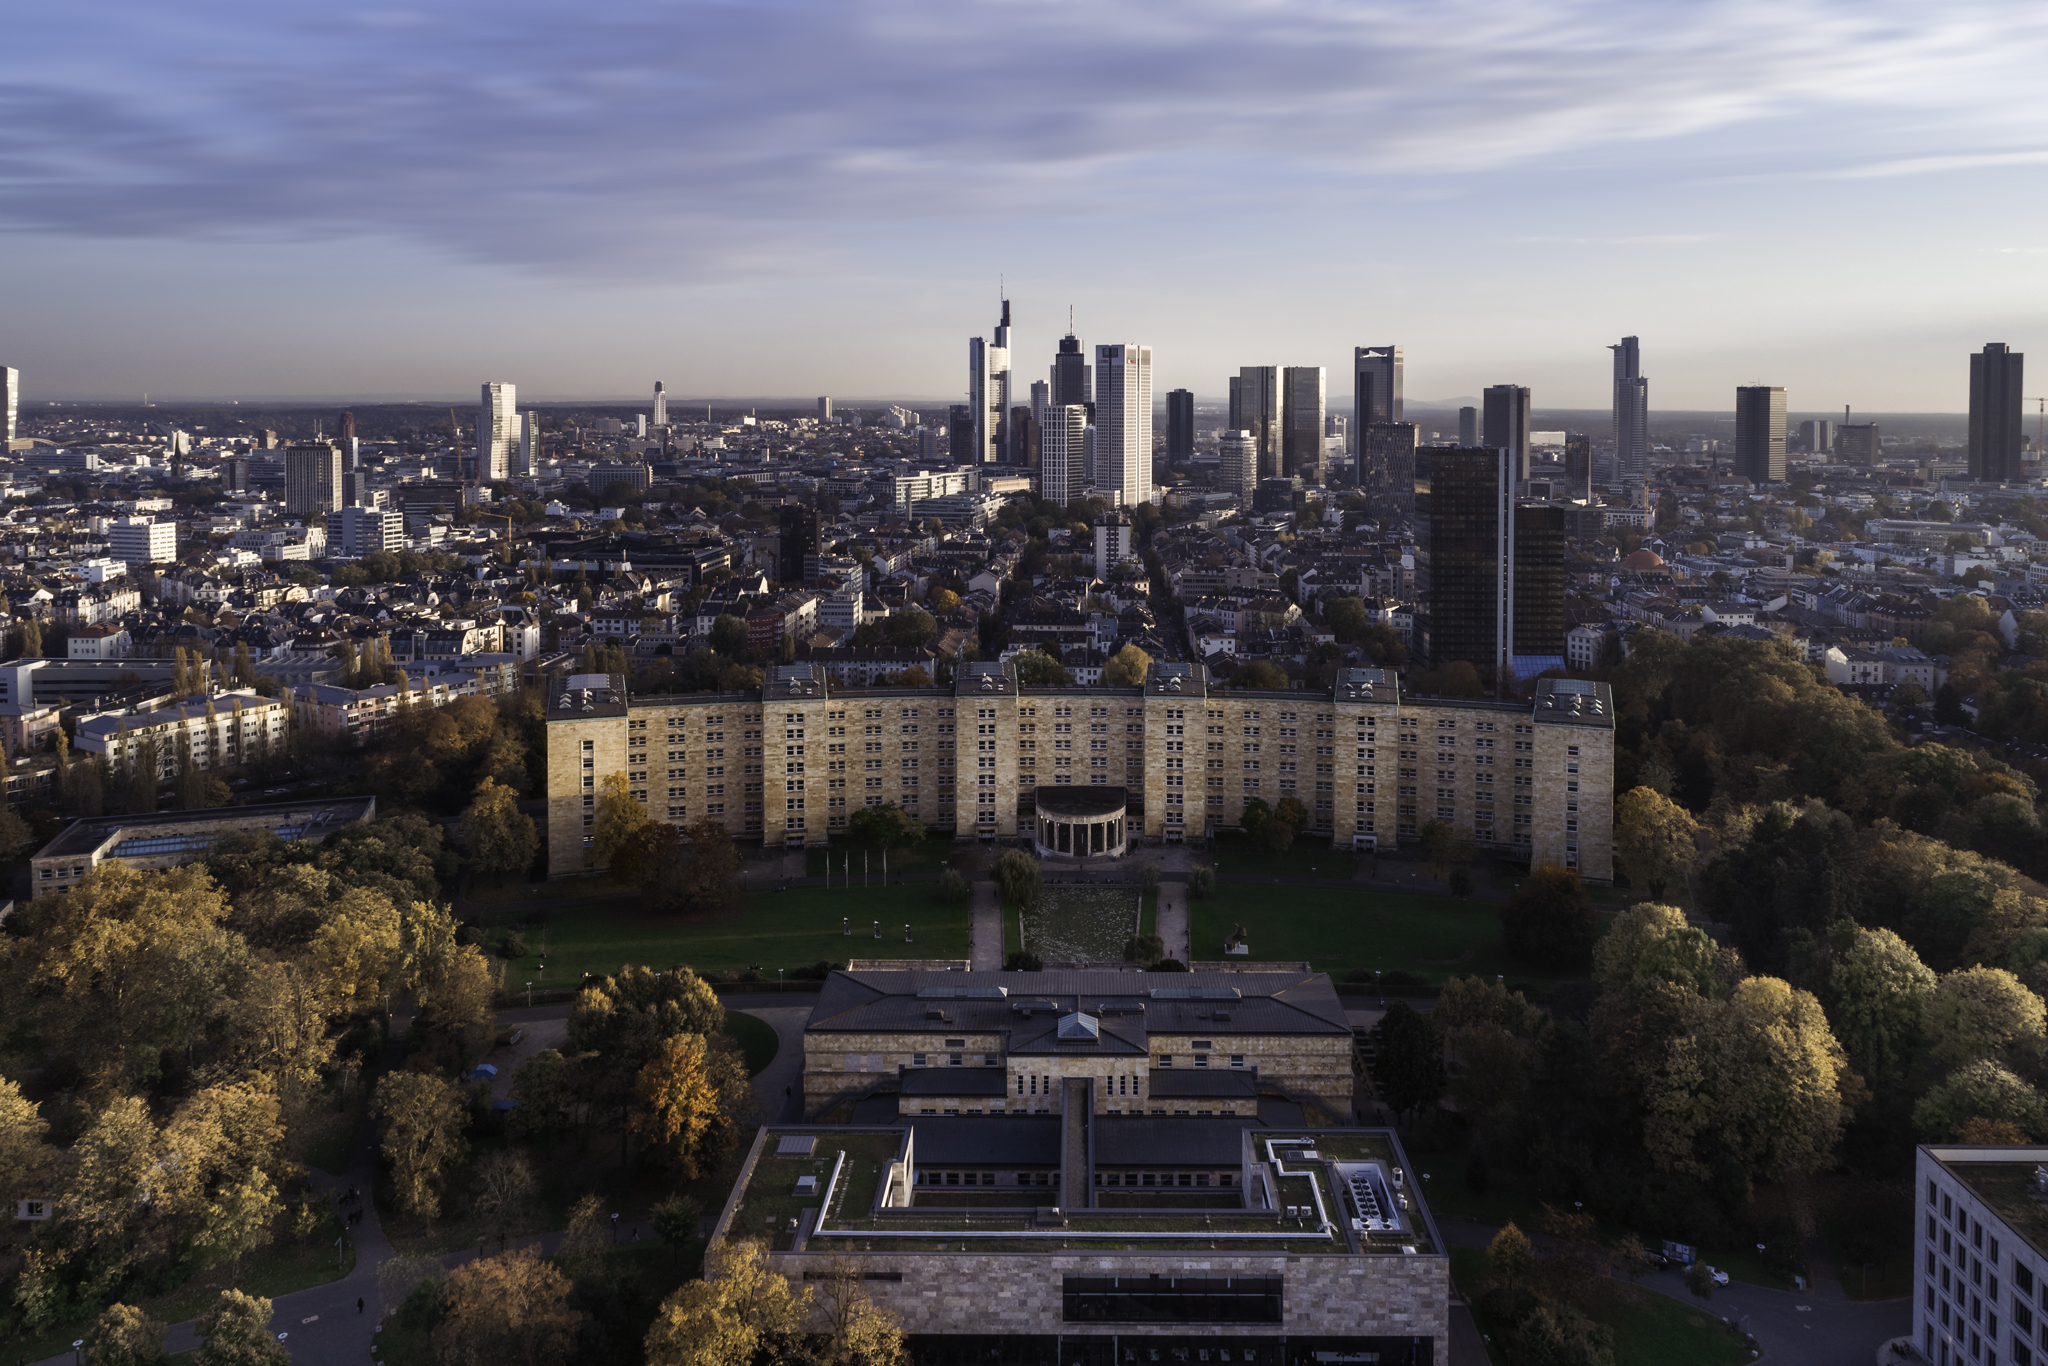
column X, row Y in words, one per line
column 681, row 191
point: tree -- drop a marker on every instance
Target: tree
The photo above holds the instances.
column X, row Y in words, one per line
column 505, row 1190
column 676, row 1218
column 1126, row 668
column 1037, row 669
column 237, row 1333
column 1983, row 1090
column 26, row 1161
column 1454, row 679
column 1878, row 991
column 858, row 1332
column 1017, row 878
column 125, row 1336
column 1634, row 1259
column 586, row 1233
column 543, row 1086
column 729, row 636
column 1258, row 673
column 618, row 818
column 1442, row 849
column 1699, row 1282
column 1346, row 618
column 420, row 1123
column 512, row 1309
column 883, row 827
column 741, row 1312
column 1656, row 839
column 1510, row 1257
column 698, row 875
column 1985, row 1013
column 1549, row 921
column 501, row 838
column 686, row 1099
column 1408, row 1060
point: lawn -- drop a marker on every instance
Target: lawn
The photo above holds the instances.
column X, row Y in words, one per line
column 773, row 930
column 1234, row 854
column 1647, row 1326
column 756, row 1037
column 1339, row 931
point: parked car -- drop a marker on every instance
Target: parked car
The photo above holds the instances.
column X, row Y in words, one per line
column 1719, row 1277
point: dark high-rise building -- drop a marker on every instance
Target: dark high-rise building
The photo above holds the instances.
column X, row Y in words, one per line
column 1507, row 423
column 1631, row 411
column 1180, row 425
column 1489, row 574
column 1386, row 468
column 1578, row 465
column 1255, row 408
column 1375, row 389
column 797, row 524
column 1304, row 396
column 1858, row 443
column 1760, row 433
column 348, row 426
column 960, row 433
column 1073, row 379
column 1024, row 445
column 1995, row 393
column 1468, row 426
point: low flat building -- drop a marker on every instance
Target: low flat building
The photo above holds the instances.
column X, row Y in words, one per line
column 165, row 839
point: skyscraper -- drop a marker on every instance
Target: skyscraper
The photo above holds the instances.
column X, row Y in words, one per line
column 988, row 391
column 1386, row 468
column 1468, row 427
column 1061, row 440
column 1304, row 397
column 1180, row 425
column 1071, row 375
column 1123, row 422
column 1041, row 399
column 796, row 527
column 960, row 434
column 660, row 405
column 1024, row 437
column 10, row 400
column 1255, row 408
column 1237, row 464
column 497, row 431
column 1816, row 435
column 347, row 427
column 312, row 478
column 1578, row 465
column 824, row 411
column 1995, row 393
column 1507, row 423
column 1760, row 433
column 1489, row 573
column 1631, row 412
column 529, row 444
column 1375, row 388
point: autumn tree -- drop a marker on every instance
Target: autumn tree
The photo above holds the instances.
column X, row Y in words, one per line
column 125, row 1336
column 618, row 817
column 501, row 838
column 505, row 1189
column 510, row 1310
column 27, row 1162
column 1982, row 1090
column 420, row 1122
column 742, row 1311
column 1656, row 839
column 1126, row 668
column 1258, row 673
column 697, row 874
column 858, row 1332
column 1510, row 1257
column 542, row 1087
column 688, row 1098
column 1549, row 921
column 237, row 1333
column 1981, row 1012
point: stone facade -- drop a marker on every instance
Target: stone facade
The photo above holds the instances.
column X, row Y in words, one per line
column 1533, row 779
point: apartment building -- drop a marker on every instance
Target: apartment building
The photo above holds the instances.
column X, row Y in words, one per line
column 224, row 731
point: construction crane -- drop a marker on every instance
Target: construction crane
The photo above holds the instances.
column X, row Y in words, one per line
column 2040, row 427
column 455, row 440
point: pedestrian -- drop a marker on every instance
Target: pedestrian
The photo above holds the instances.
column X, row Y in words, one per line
column 359, row 1304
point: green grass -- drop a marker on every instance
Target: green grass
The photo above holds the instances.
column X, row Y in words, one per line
column 1237, row 855
column 756, row 1037
column 774, row 929
column 1339, row 931
column 1647, row 1326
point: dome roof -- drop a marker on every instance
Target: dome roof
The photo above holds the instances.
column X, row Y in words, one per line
column 1643, row 559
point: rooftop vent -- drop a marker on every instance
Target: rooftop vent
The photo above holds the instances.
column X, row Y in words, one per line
column 796, row 1145
column 1080, row 1028
column 962, row 993
column 1195, row 994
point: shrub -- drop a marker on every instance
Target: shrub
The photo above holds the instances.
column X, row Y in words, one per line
column 953, row 887
column 1201, row 881
column 1021, row 961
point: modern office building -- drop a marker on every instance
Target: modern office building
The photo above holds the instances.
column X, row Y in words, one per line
column 1489, row 569
column 960, row 428
column 1025, row 442
column 138, row 540
column 312, row 478
column 358, row 531
column 1072, row 376
column 1817, row 436
column 988, row 392
column 824, row 410
column 1631, row 412
column 1507, row 423
column 1386, row 468
column 1060, row 451
column 1237, row 464
column 634, row 474
column 984, row 756
column 10, row 402
column 1255, row 408
column 1468, row 427
column 1578, row 465
column 1996, row 388
column 345, row 428
column 1123, row 422
column 1760, row 433
column 1859, row 443
column 497, row 432
column 660, row 405
column 529, row 444
column 1180, row 426
column 1981, row 1254
column 1375, row 389
column 796, row 526
column 1304, row 397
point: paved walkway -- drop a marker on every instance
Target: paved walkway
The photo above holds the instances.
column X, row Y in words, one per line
column 1173, row 922
column 985, row 929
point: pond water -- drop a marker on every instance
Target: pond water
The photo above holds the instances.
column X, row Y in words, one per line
column 1082, row 924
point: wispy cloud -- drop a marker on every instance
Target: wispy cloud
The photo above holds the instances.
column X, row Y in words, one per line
column 698, row 138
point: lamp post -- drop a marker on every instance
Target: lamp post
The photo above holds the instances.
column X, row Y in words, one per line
column 778, row 979
column 906, row 931
column 529, row 995
column 615, row 1230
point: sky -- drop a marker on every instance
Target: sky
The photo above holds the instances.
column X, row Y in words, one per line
column 779, row 198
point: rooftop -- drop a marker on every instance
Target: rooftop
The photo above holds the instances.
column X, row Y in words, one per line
column 162, row 833
column 2003, row 1178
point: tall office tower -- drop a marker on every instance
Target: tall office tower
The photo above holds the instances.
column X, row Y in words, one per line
column 1304, row 396
column 312, row 478
column 1255, row 408
column 234, row 474
column 1041, row 399
column 529, row 444
column 1386, row 468
column 1338, row 427
column 660, row 405
column 1760, row 433
column 1123, row 422
column 1072, row 379
column 988, row 391
column 10, row 400
column 927, row 446
column 347, row 427
column 1816, row 435
column 1237, row 464
column 1507, row 423
column 1375, row 387
column 1857, row 443
column 824, row 411
column 1112, row 541
column 1489, row 573
column 1088, row 453
column 1468, row 427
column 1631, row 412
column 796, row 550
column 1578, row 465
column 1061, row 445
column 1180, row 426
column 1995, row 393
column 960, row 434
column 1025, row 448
column 497, row 432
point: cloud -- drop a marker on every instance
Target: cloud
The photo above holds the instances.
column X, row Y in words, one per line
column 698, row 140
